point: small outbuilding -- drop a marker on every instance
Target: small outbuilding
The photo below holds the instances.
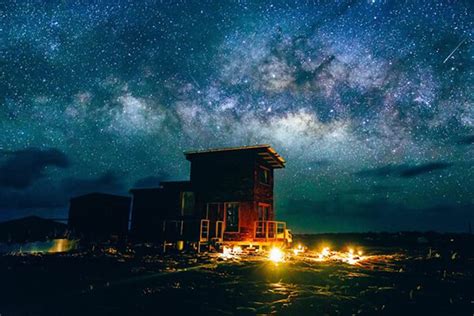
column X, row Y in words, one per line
column 99, row 216
column 158, row 213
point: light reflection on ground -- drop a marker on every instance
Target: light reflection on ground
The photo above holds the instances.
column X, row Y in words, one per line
column 276, row 255
column 318, row 281
column 49, row 246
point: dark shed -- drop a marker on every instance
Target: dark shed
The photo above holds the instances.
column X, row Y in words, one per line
column 99, row 216
column 152, row 208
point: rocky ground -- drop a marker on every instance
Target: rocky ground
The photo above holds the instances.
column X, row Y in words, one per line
column 423, row 279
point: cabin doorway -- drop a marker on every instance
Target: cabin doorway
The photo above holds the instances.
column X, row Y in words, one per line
column 215, row 215
column 232, row 217
column 261, row 227
column 223, row 217
column 263, row 212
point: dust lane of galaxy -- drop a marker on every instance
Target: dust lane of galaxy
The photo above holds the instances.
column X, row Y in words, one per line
column 370, row 102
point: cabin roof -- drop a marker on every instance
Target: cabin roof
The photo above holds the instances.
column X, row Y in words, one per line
column 100, row 195
column 141, row 190
column 265, row 151
column 163, row 186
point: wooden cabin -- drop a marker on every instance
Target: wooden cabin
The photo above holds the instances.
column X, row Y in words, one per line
column 229, row 199
column 99, row 216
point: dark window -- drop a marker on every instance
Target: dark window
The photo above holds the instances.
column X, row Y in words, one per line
column 187, row 203
column 264, row 176
column 232, row 217
column 215, row 212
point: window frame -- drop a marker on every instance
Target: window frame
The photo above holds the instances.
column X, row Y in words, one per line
column 220, row 210
column 263, row 170
column 263, row 206
column 238, row 218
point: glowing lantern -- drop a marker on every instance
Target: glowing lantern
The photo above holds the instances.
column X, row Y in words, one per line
column 226, row 253
column 350, row 257
column 237, row 250
column 298, row 250
column 276, row 255
column 325, row 252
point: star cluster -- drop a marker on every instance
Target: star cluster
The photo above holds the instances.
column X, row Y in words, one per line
column 370, row 102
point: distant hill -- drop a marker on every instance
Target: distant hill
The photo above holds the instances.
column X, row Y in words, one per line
column 30, row 228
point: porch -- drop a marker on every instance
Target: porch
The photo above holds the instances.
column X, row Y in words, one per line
column 264, row 233
column 174, row 233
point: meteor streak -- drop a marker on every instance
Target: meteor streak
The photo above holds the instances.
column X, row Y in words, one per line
column 454, row 50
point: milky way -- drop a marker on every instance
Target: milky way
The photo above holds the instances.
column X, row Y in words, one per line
column 370, row 102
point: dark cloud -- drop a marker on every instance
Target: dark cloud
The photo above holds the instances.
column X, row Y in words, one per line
column 377, row 214
column 379, row 188
column 379, row 172
column 45, row 194
column 403, row 171
column 151, row 181
column 109, row 182
column 374, row 189
column 21, row 168
column 357, row 191
column 48, row 193
column 341, row 214
column 319, row 163
column 305, row 208
column 466, row 140
column 410, row 172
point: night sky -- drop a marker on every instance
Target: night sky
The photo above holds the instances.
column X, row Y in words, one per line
column 370, row 103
